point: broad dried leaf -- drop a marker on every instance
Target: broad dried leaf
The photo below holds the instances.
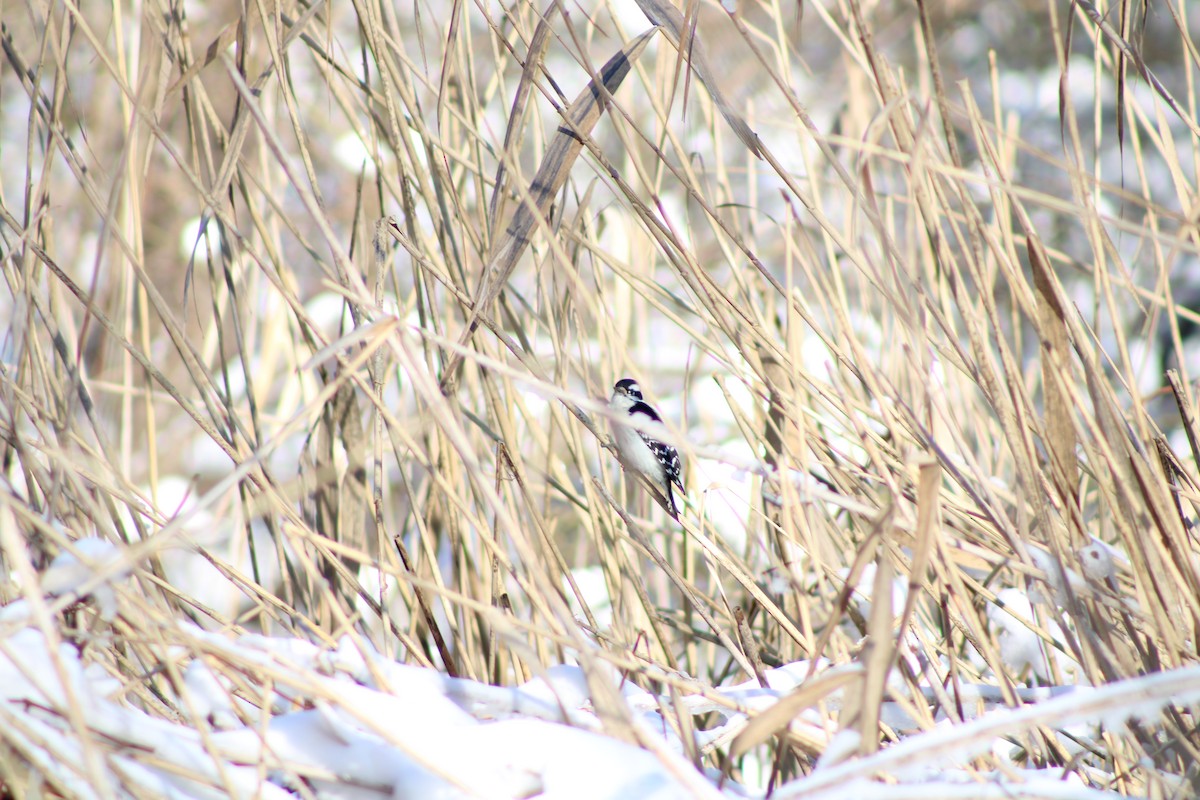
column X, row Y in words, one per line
column 516, row 115
column 669, row 18
column 878, row 653
column 1056, row 370
column 776, row 718
column 579, row 119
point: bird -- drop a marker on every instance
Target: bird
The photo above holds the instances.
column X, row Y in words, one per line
column 657, row 462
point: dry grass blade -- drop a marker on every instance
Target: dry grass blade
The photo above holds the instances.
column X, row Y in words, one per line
column 578, row 120
column 1187, row 413
column 926, row 533
column 691, row 49
column 781, row 714
column 929, row 359
column 517, row 114
column 1139, row 63
column 1131, row 698
column 878, row 654
column 683, row 585
column 1056, row 368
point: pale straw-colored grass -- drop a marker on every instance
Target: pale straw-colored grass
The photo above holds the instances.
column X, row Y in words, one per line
column 913, row 332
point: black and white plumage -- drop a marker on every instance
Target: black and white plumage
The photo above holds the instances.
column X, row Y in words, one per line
column 658, row 462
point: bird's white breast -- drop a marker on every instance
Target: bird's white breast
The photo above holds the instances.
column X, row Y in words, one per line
column 635, row 452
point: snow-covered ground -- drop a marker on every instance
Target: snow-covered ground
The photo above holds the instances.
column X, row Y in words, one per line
column 259, row 716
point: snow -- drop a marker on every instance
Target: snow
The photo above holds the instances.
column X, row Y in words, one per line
column 263, row 715
column 73, row 570
column 167, row 708
column 208, row 697
column 255, row 715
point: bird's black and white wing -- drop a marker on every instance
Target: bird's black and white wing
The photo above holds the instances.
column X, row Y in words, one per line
column 657, row 461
